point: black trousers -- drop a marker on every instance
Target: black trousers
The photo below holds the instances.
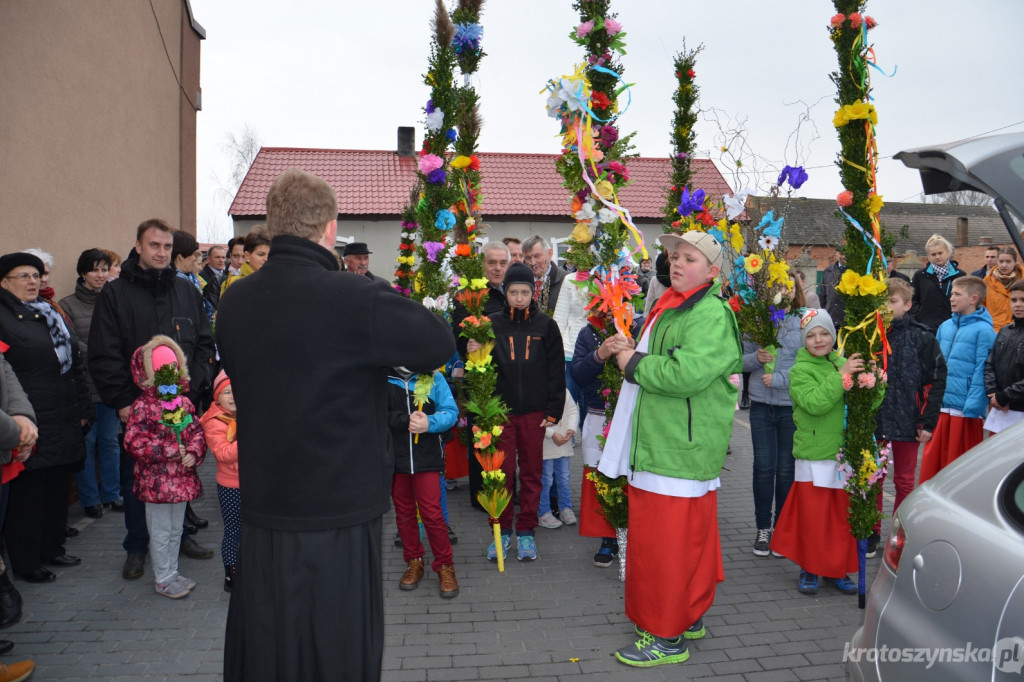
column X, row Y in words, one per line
column 37, row 516
column 306, row 606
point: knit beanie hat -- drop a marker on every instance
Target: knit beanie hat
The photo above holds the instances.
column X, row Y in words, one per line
column 816, row 317
column 518, row 273
column 219, row 384
column 164, row 355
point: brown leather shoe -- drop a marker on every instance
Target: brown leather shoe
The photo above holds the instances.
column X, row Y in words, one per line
column 411, row 578
column 449, row 585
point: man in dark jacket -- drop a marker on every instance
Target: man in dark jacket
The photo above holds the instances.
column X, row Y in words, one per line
column 831, row 300
column 213, row 273
column 496, row 261
column 147, row 299
column 309, row 375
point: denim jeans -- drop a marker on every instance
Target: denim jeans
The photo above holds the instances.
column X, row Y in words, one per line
column 101, row 445
column 771, row 430
column 558, row 471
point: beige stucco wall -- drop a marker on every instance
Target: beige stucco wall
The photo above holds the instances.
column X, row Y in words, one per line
column 90, row 125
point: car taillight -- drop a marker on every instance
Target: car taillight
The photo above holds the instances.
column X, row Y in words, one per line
column 894, row 546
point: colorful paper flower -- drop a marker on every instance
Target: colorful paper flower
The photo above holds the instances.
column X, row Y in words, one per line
column 599, row 100
column 845, row 199
column 735, row 304
column 776, row 315
column 795, row 175
column 736, row 203
column 585, row 28
column 437, row 176
column 855, row 20
column 463, row 250
column 837, row 20
column 434, row 120
column 444, row 220
column 429, row 163
column 582, row 233
column 612, row 26
column 866, row 380
column 460, row 162
column 753, row 263
column 467, row 37
column 847, row 382
column 432, row 249
column 875, row 203
column 770, row 225
column 689, row 203
column 853, row 112
column 768, row 242
column 451, row 135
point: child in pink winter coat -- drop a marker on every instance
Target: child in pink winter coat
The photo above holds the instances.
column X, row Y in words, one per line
column 167, row 446
column 220, row 425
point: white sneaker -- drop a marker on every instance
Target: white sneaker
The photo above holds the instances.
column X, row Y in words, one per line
column 568, row 518
column 549, row 521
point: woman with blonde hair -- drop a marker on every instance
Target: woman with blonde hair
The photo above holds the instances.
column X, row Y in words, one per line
column 998, row 281
column 934, row 283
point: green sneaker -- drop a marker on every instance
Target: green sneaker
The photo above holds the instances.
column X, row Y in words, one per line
column 695, row 631
column 649, row 651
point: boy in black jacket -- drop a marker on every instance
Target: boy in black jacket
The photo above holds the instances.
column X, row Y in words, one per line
column 913, row 397
column 1004, row 369
column 531, row 380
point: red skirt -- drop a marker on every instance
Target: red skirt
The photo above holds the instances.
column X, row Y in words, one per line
column 814, row 530
column 673, row 560
column 592, row 522
column 953, row 437
column 456, row 458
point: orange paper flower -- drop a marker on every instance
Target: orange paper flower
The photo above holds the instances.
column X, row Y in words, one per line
column 463, row 250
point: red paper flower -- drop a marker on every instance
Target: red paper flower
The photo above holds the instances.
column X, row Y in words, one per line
column 735, row 304
column 599, row 100
column 474, row 162
column 855, row 19
column 691, row 74
column 845, row 198
column 838, row 20
column 706, row 218
column 870, row 22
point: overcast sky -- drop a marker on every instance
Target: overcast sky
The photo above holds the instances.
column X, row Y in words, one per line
column 345, row 75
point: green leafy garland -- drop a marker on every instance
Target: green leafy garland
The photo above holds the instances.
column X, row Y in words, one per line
column 433, row 210
column 683, row 135
column 863, row 286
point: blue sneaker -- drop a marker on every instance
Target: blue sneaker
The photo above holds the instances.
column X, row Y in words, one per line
column 527, row 548
column 649, row 651
column 808, row 583
column 845, row 585
column 492, row 552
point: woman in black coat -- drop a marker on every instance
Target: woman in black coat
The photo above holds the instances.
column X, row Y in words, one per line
column 44, row 355
column 933, row 284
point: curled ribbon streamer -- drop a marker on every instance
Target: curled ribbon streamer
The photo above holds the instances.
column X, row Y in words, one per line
column 845, row 332
column 886, row 348
column 581, row 94
column 622, row 212
column 871, row 241
column 624, row 88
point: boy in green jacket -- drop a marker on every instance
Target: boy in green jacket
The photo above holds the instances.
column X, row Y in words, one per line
column 812, row 529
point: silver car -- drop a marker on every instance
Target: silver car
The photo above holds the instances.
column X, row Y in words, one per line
column 948, row 603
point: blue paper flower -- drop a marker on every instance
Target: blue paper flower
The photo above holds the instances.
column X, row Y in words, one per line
column 717, row 234
column 467, row 36
column 770, row 225
column 436, row 176
column 795, row 174
column 444, row 220
column 451, row 135
column 168, row 390
column 689, row 203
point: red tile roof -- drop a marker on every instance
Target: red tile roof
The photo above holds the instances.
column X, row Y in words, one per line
column 520, row 185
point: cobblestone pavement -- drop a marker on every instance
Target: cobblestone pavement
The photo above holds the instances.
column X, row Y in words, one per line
column 554, row 619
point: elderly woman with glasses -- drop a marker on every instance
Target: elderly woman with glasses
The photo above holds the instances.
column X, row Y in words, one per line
column 39, row 346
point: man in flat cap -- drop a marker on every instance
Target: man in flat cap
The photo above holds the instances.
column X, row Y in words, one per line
column 357, row 258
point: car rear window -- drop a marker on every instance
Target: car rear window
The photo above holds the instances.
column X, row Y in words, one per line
column 1012, row 496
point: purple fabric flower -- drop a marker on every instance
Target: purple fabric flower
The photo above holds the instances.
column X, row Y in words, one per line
column 430, row 106
column 795, row 174
column 689, row 203
column 777, row 315
column 436, row 176
column 583, row 194
column 432, row 249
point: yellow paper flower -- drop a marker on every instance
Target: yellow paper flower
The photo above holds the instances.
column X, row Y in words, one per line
column 753, row 263
column 581, row 233
column 855, row 111
column 461, row 161
column 480, row 358
column 848, row 283
column 478, row 283
column 736, row 238
column 604, row 188
column 875, row 203
column 778, row 272
column 869, row 286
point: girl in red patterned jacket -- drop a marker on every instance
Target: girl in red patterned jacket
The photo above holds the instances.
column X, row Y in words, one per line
column 167, row 446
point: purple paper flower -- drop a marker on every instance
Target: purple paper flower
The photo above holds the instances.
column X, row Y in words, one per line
column 467, row 36
column 430, row 106
column 777, row 315
column 609, row 135
column 689, row 203
column 795, row 174
column 432, row 249
column 436, row 176
column 680, row 156
column 583, row 194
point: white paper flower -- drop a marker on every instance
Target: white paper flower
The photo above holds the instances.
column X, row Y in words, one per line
column 554, row 106
column 736, row 203
column 439, row 303
column 607, row 215
column 768, row 242
column 435, row 119
column 586, row 213
column 568, row 93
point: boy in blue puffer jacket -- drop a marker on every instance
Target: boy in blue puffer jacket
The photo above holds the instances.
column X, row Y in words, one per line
column 965, row 340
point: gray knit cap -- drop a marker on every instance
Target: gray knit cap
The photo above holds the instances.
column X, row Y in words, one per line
column 816, row 317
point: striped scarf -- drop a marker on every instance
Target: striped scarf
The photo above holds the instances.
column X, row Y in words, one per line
column 59, row 334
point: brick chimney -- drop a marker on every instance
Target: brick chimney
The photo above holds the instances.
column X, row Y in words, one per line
column 406, row 141
column 962, row 238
